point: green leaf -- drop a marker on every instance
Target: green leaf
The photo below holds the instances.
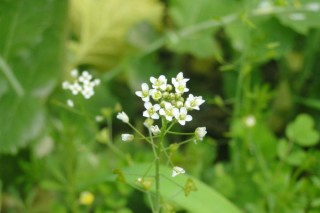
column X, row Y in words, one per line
column 305, row 17
column 296, row 157
column 23, row 119
column 302, row 131
column 187, row 15
column 268, row 39
column 203, row 200
column 282, row 149
column 31, row 40
column 100, row 30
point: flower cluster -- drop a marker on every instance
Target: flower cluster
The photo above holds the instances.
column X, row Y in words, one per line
column 82, row 84
column 166, row 100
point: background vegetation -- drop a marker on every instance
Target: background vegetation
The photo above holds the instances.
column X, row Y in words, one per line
column 255, row 62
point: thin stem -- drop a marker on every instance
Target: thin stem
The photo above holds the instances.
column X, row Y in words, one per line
column 139, row 133
column 157, row 165
column 180, row 133
column 181, row 143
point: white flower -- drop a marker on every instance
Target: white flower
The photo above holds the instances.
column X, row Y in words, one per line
column 200, row 132
column 123, row 117
column 96, row 82
column 193, row 102
column 250, row 121
column 181, row 87
column 85, row 77
column 160, row 83
column 99, row 118
column 70, row 103
column 144, row 93
column 65, row 85
column 155, row 130
column 177, row 171
column 127, row 137
column 169, row 111
column 178, row 79
column 75, row 88
column 74, row 73
column 82, row 84
column 151, row 110
column 155, row 94
column 87, row 92
column 182, row 116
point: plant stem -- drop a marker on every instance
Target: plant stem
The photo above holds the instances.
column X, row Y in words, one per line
column 157, row 165
column 157, row 175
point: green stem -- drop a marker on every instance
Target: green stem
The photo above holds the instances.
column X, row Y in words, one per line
column 157, row 165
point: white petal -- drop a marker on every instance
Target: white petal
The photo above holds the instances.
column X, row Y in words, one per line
column 188, row 118
column 156, row 107
column 147, row 105
column 144, row 87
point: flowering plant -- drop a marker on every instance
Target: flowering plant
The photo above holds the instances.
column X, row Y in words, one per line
column 165, row 102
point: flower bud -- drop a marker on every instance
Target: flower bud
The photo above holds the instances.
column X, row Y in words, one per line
column 123, row 117
column 127, row 137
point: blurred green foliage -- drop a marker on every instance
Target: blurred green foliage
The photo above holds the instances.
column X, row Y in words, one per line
column 248, row 58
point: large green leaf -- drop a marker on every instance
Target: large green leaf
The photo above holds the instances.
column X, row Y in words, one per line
column 31, row 40
column 204, row 200
column 101, row 27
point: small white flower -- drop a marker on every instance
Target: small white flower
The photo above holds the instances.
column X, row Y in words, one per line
column 144, row 93
column 178, row 79
column 74, row 73
column 87, row 92
column 127, row 137
column 160, row 83
column 151, row 110
column 65, row 85
column 75, row 88
column 70, row 103
column 177, row 171
column 155, row 94
column 200, row 132
column 155, row 130
column 85, row 77
column 169, row 111
column 181, row 87
column 96, row 82
column 193, row 102
column 99, row 118
column 183, row 116
column 123, row 117
column 250, row 121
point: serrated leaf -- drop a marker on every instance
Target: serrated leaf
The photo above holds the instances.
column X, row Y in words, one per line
column 302, row 131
